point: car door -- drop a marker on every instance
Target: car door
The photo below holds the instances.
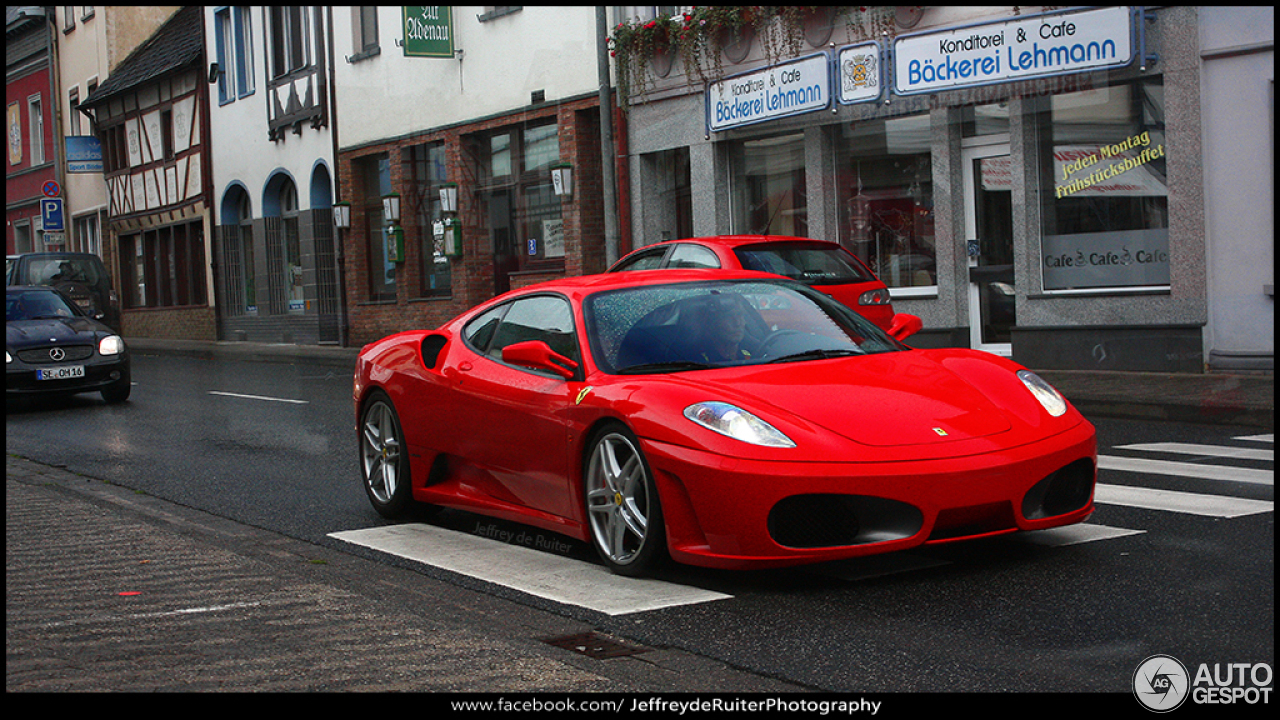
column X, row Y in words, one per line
column 513, row 420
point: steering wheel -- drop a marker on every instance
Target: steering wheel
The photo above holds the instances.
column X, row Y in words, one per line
column 768, row 345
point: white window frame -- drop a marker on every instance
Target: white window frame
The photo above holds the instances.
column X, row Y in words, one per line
column 35, row 126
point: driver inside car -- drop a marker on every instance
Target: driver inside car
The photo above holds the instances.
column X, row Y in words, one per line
column 725, row 329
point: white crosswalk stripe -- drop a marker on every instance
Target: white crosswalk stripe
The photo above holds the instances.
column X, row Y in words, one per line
column 1183, row 502
column 1269, row 437
column 1184, row 469
column 1222, row 451
column 541, row 574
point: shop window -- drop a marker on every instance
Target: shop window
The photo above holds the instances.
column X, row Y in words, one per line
column 885, row 191
column 375, row 181
column 294, row 295
column 248, row 267
column 427, row 172
column 769, row 187
column 239, row 276
column 167, row 268
column 520, row 207
column 1104, row 193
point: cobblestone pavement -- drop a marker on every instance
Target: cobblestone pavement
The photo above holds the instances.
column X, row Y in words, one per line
column 108, row 590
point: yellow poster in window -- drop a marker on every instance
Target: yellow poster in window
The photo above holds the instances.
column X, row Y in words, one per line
column 15, row 134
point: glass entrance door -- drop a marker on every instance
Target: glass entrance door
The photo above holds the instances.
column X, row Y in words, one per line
column 989, row 244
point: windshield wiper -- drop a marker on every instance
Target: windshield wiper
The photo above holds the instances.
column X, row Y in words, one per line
column 663, row 367
column 815, row 355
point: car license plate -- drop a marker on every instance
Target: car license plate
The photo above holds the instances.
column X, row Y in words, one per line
column 60, row 373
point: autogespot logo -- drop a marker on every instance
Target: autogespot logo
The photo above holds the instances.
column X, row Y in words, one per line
column 1160, row 683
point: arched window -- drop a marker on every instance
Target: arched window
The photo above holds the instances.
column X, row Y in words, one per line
column 294, row 298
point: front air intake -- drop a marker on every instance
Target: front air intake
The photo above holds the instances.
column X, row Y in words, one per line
column 1063, row 491
column 830, row 520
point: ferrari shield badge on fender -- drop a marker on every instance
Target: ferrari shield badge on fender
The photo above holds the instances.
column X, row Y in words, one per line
column 582, row 394
column 941, row 432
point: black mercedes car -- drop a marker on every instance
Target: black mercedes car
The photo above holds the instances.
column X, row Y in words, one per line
column 82, row 276
column 52, row 347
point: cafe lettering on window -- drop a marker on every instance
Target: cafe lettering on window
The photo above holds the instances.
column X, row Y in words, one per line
column 428, row 31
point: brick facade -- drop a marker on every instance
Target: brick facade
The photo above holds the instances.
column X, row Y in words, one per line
column 473, row 278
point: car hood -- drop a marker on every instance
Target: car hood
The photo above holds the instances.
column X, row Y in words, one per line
column 890, row 399
column 24, row 333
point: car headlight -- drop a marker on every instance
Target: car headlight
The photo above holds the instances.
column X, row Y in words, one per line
column 111, row 345
column 734, row 422
column 1053, row 402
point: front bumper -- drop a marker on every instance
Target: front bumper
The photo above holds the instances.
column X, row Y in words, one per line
column 733, row 513
column 20, row 380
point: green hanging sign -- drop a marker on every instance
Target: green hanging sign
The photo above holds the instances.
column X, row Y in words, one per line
column 428, row 31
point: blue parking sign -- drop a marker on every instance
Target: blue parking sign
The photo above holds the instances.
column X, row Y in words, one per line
column 51, row 214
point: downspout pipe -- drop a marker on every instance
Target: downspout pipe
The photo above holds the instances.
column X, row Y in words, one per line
column 607, row 152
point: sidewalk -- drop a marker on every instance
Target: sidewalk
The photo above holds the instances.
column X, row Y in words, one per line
column 109, row 590
column 1205, row 398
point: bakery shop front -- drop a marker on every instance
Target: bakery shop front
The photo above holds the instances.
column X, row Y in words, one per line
column 1027, row 185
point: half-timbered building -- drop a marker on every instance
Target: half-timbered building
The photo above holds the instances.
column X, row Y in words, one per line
column 151, row 118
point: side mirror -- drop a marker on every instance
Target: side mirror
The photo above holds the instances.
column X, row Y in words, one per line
column 538, row 355
column 904, row 326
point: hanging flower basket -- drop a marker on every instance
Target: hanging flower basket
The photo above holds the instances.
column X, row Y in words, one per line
column 706, row 35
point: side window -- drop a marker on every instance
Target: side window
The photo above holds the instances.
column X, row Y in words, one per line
column 479, row 332
column 645, row 260
column 688, row 255
column 544, row 317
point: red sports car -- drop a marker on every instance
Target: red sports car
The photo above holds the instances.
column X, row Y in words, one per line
column 820, row 264
column 723, row 418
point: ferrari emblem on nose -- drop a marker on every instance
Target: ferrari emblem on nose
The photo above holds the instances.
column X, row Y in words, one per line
column 941, row 432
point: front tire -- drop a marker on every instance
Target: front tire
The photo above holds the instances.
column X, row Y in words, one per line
column 384, row 459
column 118, row 391
column 623, row 509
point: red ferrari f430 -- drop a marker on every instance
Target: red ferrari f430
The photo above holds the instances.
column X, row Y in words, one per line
column 727, row 419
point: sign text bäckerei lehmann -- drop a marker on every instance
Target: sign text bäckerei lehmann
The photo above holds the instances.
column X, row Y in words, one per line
column 788, row 89
column 1051, row 44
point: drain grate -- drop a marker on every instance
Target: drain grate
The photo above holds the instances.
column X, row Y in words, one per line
column 595, row 645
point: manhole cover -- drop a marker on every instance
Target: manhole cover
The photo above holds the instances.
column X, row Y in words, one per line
column 595, row 645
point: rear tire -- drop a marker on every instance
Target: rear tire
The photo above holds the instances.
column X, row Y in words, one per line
column 623, row 510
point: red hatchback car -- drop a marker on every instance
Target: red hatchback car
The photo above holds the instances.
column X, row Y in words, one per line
column 821, row 264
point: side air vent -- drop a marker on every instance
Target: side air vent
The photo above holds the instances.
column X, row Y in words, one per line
column 431, row 347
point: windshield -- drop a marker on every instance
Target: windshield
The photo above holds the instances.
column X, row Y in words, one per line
column 36, row 305
column 690, row 326
column 810, row 263
column 56, row 269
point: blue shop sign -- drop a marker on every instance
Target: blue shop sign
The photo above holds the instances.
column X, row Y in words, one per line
column 791, row 88
column 1044, row 45
column 84, row 154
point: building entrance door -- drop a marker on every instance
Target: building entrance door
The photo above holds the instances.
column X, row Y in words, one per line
column 988, row 193
column 502, row 233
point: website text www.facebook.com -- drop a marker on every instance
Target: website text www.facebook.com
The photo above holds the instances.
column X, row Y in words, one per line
column 677, row 706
